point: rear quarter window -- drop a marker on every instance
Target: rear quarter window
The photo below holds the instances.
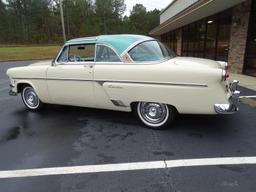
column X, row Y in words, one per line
column 150, row 51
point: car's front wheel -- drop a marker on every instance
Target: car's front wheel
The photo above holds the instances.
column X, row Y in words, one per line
column 155, row 115
column 30, row 98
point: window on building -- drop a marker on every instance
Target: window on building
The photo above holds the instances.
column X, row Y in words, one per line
column 170, row 40
column 173, row 41
column 208, row 38
column 223, row 36
column 164, row 38
column 211, row 37
column 185, row 38
column 192, row 40
column 201, row 31
column 250, row 56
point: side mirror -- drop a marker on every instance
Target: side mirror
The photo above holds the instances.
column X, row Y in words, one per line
column 53, row 61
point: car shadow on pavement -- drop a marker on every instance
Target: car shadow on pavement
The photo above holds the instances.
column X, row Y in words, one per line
column 202, row 123
column 199, row 125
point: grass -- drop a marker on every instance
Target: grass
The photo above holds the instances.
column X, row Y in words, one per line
column 28, row 53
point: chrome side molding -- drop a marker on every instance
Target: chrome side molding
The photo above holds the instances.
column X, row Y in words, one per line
column 118, row 103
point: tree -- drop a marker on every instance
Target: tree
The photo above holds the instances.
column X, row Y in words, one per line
column 138, row 18
column 152, row 19
column 3, row 22
column 79, row 18
column 38, row 21
column 29, row 20
column 109, row 14
column 119, row 8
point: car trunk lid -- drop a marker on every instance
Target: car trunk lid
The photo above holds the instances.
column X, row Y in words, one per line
column 196, row 62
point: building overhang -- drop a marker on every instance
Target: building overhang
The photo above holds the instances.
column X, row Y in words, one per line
column 194, row 12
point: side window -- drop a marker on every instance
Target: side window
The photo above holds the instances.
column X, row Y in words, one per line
column 106, row 54
column 146, row 51
column 63, row 58
column 150, row 51
column 81, row 53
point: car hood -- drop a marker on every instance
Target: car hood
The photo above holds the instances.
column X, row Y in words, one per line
column 36, row 69
column 196, row 62
column 41, row 63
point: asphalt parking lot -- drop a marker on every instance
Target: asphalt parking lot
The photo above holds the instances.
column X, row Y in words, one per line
column 61, row 136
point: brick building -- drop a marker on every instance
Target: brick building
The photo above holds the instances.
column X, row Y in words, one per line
column 223, row 30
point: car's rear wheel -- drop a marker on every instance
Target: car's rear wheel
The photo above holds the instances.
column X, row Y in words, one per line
column 30, row 98
column 155, row 115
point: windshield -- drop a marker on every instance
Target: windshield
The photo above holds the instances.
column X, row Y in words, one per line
column 150, row 51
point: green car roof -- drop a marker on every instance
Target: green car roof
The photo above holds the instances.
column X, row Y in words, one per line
column 119, row 42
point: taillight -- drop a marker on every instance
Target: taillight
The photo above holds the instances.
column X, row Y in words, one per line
column 225, row 74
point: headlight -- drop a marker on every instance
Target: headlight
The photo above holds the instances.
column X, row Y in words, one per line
column 12, row 82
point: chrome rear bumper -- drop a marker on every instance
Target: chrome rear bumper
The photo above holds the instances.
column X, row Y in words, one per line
column 232, row 107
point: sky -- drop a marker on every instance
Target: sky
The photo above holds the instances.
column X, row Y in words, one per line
column 149, row 4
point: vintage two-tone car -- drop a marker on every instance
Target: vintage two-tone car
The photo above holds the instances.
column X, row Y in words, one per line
column 127, row 73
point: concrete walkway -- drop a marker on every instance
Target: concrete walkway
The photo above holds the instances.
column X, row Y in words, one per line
column 248, row 88
column 244, row 80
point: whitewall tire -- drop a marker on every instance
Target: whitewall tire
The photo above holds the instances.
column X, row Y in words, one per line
column 30, row 98
column 155, row 115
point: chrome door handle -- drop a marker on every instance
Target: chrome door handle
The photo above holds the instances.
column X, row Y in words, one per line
column 89, row 65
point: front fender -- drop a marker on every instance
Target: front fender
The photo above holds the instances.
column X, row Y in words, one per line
column 40, row 87
column 35, row 76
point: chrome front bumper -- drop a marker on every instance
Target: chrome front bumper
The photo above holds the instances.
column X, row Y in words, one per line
column 11, row 92
column 232, row 107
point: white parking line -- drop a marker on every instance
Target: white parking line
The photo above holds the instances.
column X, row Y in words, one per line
column 251, row 96
column 127, row 166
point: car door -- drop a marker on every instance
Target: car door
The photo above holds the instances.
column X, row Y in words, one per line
column 69, row 80
column 105, row 62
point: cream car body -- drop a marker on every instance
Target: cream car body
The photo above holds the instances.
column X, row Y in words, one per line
column 190, row 85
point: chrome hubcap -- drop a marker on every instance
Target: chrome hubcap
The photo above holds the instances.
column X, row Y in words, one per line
column 30, row 97
column 153, row 112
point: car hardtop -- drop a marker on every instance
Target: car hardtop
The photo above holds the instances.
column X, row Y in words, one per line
column 119, row 42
